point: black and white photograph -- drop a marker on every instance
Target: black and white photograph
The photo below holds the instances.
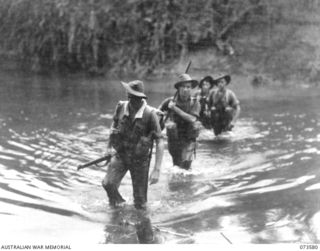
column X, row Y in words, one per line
column 179, row 122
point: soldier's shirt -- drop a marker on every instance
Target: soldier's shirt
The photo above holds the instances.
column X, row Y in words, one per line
column 228, row 97
column 190, row 106
column 148, row 121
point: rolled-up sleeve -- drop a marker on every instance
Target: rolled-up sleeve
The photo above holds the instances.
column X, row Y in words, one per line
column 116, row 114
column 233, row 100
column 195, row 108
column 155, row 126
column 164, row 105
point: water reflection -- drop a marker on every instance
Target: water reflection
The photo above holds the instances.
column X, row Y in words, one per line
column 259, row 184
column 128, row 226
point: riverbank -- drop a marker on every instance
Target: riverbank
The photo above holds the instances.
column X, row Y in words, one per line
column 285, row 54
column 272, row 43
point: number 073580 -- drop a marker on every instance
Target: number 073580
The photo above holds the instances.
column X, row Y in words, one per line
column 309, row 246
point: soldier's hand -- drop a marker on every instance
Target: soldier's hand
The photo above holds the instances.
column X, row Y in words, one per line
column 228, row 109
column 230, row 127
column 154, row 177
column 109, row 151
column 171, row 104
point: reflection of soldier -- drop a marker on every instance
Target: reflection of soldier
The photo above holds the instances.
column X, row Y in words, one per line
column 122, row 224
column 145, row 231
column 183, row 129
column 224, row 106
column 135, row 126
column 205, row 85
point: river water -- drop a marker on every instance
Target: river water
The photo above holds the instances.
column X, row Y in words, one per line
column 258, row 184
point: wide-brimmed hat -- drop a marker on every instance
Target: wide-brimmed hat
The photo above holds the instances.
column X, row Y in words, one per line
column 135, row 88
column 208, row 79
column 185, row 78
column 221, row 76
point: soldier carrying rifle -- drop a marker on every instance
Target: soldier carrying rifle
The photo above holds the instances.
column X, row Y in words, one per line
column 183, row 127
column 135, row 126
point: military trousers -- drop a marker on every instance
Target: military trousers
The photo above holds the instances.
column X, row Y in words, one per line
column 180, row 147
column 221, row 119
column 205, row 120
column 139, row 171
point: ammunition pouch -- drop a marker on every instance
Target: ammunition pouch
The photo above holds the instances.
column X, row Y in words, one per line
column 220, row 108
column 143, row 147
column 172, row 130
column 116, row 141
column 194, row 130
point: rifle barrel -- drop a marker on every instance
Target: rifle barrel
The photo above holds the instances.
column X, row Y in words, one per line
column 94, row 162
column 187, row 69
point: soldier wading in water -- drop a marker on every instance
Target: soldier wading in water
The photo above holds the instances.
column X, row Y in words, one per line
column 183, row 127
column 224, row 106
column 135, row 126
column 205, row 87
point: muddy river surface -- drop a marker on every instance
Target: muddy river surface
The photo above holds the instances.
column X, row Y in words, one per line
column 258, row 184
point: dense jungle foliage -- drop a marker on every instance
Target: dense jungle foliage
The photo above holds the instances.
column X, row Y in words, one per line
column 120, row 36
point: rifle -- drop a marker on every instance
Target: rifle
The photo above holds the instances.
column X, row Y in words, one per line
column 176, row 94
column 106, row 158
column 187, row 69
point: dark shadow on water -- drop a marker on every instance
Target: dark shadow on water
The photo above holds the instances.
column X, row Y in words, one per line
column 220, row 145
column 179, row 183
column 48, row 209
column 15, row 191
column 130, row 226
column 3, row 213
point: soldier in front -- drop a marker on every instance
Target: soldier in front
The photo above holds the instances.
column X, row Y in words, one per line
column 135, row 126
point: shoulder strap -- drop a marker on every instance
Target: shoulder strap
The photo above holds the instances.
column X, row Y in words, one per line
column 147, row 112
column 159, row 114
column 120, row 108
column 227, row 96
